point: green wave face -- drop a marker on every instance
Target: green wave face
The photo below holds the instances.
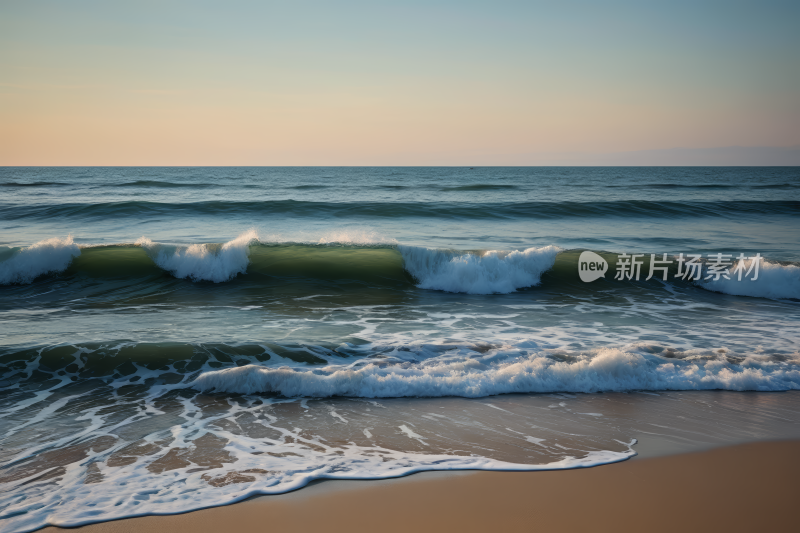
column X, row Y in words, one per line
column 117, row 261
column 370, row 264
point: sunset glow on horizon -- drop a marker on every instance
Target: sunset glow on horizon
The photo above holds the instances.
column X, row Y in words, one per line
column 445, row 83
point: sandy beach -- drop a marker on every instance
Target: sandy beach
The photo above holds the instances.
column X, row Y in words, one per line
column 738, row 488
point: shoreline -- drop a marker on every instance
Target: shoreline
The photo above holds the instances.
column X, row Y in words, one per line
column 737, row 488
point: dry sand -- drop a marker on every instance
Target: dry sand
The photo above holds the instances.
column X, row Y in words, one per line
column 748, row 487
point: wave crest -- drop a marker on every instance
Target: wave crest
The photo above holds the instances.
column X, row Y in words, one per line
column 487, row 273
column 203, row 262
column 44, row 257
column 775, row 281
column 609, row 369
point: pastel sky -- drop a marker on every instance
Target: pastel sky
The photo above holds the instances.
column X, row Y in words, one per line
column 397, row 83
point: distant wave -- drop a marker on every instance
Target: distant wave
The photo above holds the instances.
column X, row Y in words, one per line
column 309, row 187
column 500, row 210
column 777, row 186
column 456, row 188
column 678, row 186
column 480, row 187
column 705, row 186
column 165, row 184
column 33, row 184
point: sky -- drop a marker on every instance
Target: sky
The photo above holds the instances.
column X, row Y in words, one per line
column 399, row 83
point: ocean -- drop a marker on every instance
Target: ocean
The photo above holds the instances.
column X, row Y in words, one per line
column 178, row 338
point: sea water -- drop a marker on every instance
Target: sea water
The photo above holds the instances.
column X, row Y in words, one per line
column 177, row 338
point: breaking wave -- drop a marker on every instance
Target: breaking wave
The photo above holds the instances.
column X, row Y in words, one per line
column 202, row 261
column 361, row 257
column 774, row 281
column 608, row 369
column 44, row 257
column 477, row 273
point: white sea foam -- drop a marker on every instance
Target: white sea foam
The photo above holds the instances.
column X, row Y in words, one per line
column 774, row 281
column 284, row 453
column 203, row 262
column 607, row 369
column 51, row 255
column 346, row 236
column 131, row 490
column 205, row 459
column 477, row 273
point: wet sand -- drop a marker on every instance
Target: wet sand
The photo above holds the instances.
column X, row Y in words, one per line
column 739, row 488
